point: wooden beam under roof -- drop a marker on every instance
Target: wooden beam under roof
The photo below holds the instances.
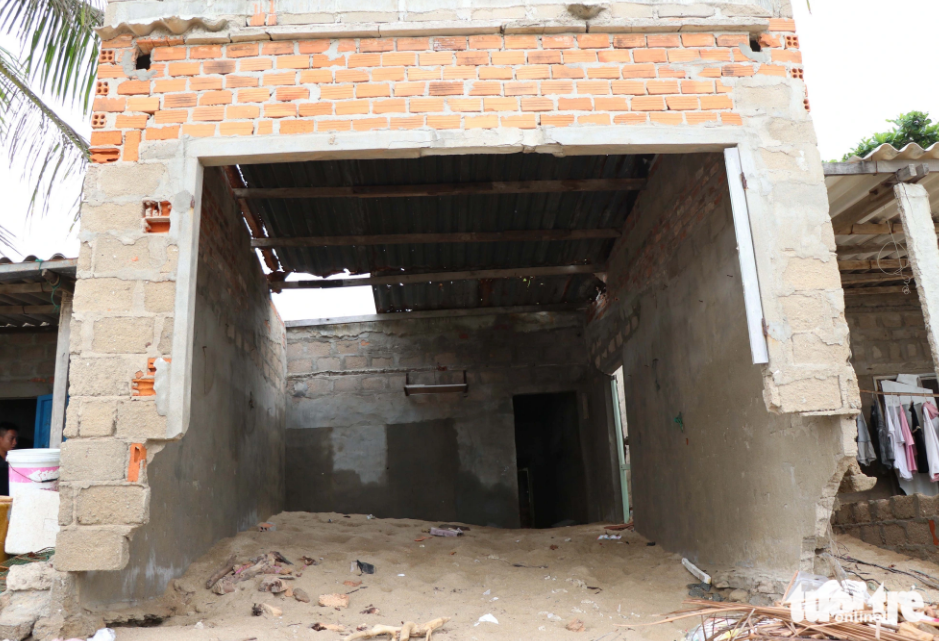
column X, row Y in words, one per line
column 875, row 229
column 889, row 289
column 873, row 277
column 878, row 197
column 866, row 248
column 460, row 237
column 888, row 263
column 446, row 189
column 437, row 277
column 27, row 288
column 29, row 310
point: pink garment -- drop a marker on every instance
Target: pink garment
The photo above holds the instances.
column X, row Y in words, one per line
column 930, row 425
column 909, row 445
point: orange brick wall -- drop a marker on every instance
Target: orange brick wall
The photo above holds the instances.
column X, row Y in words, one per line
column 486, row 81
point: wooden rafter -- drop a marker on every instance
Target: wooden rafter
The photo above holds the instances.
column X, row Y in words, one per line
column 251, row 217
column 462, row 237
column 857, row 265
column 446, row 189
column 404, row 279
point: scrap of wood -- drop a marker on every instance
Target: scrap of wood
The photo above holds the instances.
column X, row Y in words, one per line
column 221, row 571
column 409, row 630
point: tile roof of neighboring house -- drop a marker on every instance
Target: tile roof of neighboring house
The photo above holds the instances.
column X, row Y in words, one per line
column 27, row 298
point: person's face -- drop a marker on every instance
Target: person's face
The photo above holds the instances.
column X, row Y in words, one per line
column 8, row 440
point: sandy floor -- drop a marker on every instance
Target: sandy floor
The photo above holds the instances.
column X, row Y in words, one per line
column 605, row 584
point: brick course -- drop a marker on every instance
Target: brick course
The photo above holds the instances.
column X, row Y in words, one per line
column 300, row 87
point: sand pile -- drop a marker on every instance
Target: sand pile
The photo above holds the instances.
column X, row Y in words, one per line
column 533, row 582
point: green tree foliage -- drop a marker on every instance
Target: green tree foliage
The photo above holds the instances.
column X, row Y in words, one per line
column 58, row 58
column 910, row 127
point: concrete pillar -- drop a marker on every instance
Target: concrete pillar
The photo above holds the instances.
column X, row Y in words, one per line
column 60, row 385
column 923, row 250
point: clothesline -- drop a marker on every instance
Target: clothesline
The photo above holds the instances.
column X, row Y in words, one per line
column 868, row 391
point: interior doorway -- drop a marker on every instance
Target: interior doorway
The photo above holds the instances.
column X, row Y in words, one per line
column 552, row 487
column 22, row 413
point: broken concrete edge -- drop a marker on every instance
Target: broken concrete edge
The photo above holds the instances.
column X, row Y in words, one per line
column 35, row 602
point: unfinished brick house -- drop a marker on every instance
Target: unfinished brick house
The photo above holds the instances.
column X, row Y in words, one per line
column 541, row 193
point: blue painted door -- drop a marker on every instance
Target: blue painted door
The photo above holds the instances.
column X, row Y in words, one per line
column 43, row 421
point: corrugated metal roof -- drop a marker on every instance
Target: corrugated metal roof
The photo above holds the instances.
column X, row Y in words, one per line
column 449, row 214
column 29, row 271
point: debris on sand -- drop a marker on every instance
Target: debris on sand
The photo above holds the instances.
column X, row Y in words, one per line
column 332, row 627
column 576, row 626
column 272, row 584
column 300, row 595
column 409, row 630
column 224, row 570
column 334, row 601
column 225, row 585
column 264, row 608
column 371, row 609
column 486, row 618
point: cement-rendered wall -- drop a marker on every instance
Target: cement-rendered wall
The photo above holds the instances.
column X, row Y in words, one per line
column 732, row 485
column 356, row 443
column 228, row 469
column 27, row 363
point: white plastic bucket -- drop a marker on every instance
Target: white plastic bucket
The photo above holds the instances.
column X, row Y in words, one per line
column 32, row 470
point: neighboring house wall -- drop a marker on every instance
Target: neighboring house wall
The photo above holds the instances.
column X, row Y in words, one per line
column 905, row 524
column 888, row 337
column 356, row 443
column 27, row 363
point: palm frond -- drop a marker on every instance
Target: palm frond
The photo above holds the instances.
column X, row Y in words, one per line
column 6, row 238
column 35, row 137
column 60, row 46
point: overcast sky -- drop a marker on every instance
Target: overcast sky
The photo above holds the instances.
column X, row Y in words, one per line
column 865, row 61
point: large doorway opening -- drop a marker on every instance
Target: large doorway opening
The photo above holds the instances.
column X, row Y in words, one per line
column 552, row 489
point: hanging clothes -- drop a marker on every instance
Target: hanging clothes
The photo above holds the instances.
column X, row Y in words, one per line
column 865, row 449
column 919, row 438
column 879, row 427
column 896, row 441
column 931, row 432
column 909, row 445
